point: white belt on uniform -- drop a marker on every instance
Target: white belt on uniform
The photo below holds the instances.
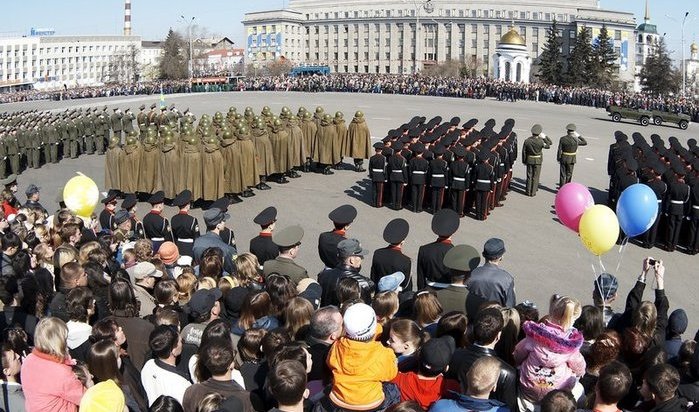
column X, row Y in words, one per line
column 396, row 171
column 437, row 175
column 186, row 240
column 158, row 239
column 483, row 181
column 695, row 207
column 377, row 170
column 460, row 179
column 419, row 172
column 660, row 200
column 677, row 202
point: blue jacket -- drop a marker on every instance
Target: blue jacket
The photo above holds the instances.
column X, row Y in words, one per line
column 211, row 239
column 467, row 403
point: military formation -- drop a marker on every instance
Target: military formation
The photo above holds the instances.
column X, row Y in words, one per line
column 229, row 155
column 435, row 164
column 672, row 172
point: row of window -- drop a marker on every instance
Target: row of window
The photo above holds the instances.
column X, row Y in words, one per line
column 474, row 13
column 61, row 49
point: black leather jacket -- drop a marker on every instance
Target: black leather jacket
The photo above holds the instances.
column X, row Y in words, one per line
column 506, row 390
column 329, row 279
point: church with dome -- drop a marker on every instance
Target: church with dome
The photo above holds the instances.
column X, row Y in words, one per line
column 511, row 60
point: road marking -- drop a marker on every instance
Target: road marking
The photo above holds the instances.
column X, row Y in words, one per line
column 590, row 159
column 380, row 118
column 593, row 138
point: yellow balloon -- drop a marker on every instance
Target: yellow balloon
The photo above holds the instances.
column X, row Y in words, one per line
column 599, row 229
column 81, row 195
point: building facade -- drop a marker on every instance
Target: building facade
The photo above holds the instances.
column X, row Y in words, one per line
column 49, row 62
column 379, row 36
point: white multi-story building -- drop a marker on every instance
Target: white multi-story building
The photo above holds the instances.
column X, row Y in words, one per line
column 149, row 59
column 379, row 36
column 48, row 62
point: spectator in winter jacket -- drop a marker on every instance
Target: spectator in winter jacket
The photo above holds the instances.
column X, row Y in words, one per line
column 549, row 356
column 47, row 375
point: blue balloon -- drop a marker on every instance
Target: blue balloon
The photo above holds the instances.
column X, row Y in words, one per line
column 637, row 209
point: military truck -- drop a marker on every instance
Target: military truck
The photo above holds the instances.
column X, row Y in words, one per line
column 645, row 117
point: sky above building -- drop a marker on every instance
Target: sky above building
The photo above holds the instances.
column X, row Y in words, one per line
column 151, row 19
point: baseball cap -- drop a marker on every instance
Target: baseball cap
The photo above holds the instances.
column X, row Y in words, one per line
column 145, row 269
column 391, row 283
column 350, row 247
column 203, row 300
column 436, row 353
column 360, row 322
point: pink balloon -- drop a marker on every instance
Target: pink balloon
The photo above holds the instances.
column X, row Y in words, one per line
column 571, row 202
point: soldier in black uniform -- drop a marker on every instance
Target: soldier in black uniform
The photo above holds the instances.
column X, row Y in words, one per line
column 397, row 175
column 106, row 217
column 693, row 246
column 459, row 180
column 185, row 228
column 654, row 181
column 262, row 245
column 377, row 174
column 678, row 196
column 391, row 258
column 439, row 176
column 341, row 217
column 129, row 205
column 430, row 257
column 418, row 167
column 484, row 182
column 155, row 226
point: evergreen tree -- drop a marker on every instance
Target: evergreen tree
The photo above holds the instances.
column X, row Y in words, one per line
column 173, row 65
column 580, row 61
column 658, row 76
column 604, row 60
column 550, row 61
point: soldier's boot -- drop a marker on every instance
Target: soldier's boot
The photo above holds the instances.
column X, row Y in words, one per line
column 359, row 165
column 327, row 171
column 247, row 193
column 293, row 174
column 307, row 166
column 263, row 183
column 234, row 198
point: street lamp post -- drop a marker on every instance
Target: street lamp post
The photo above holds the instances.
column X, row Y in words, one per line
column 189, row 36
column 429, row 7
column 684, row 71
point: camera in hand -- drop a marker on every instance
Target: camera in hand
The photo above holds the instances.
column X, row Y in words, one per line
column 651, row 262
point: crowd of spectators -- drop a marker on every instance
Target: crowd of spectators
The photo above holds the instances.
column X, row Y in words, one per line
column 91, row 321
column 474, row 88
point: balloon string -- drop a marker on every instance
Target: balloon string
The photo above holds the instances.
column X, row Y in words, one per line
column 80, row 173
column 622, row 249
column 601, row 264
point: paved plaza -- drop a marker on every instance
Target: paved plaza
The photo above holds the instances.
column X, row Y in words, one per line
column 544, row 256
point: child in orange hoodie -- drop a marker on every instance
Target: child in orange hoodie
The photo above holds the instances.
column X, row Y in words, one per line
column 361, row 365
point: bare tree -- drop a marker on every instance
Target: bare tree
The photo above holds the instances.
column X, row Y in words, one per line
column 473, row 67
column 278, row 67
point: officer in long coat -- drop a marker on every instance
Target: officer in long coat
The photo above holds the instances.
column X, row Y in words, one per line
column 310, row 140
column 279, row 137
column 149, row 179
column 340, row 139
column 342, row 217
column 262, row 245
column 297, row 149
column 377, row 174
column 185, row 227
column 567, row 153
column 233, row 177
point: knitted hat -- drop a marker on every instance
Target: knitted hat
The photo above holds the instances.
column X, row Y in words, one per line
column 360, row 322
column 168, row 253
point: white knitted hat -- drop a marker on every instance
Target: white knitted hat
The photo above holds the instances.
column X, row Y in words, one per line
column 360, row 322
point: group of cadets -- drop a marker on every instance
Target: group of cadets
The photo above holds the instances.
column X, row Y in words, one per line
column 673, row 175
column 434, row 164
column 230, row 156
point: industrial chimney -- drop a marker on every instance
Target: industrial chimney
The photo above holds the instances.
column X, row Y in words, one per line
column 127, row 17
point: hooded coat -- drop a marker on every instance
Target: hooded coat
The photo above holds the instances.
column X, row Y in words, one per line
column 129, row 167
column 339, row 140
column 358, row 139
column 280, row 140
column 297, row 148
column 310, row 138
column 213, row 172
column 326, row 136
column 170, row 170
column 111, row 167
column 231, row 159
column 263, row 151
column 149, row 174
column 248, row 164
column 548, row 358
column 191, row 171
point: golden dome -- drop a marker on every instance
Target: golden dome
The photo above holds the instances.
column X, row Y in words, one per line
column 512, row 37
column 694, row 48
